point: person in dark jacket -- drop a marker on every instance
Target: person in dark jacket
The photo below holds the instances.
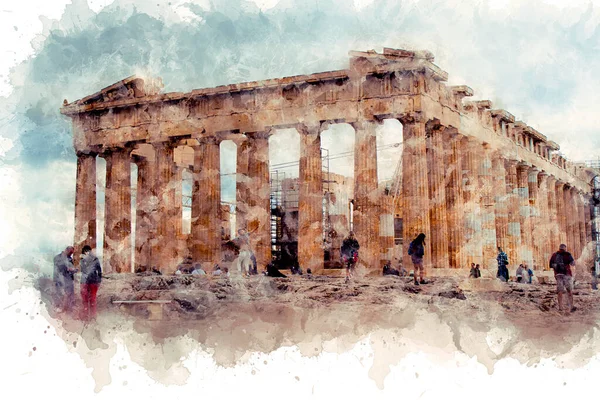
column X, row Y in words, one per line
column 64, row 271
column 91, row 276
column 349, row 252
column 416, row 251
column 561, row 262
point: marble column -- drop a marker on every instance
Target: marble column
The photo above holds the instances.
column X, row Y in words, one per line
column 534, row 216
column 386, row 227
column 472, row 201
column 177, row 216
column 437, row 197
column 572, row 223
column 415, row 188
column 513, row 242
column 310, row 202
column 553, row 234
column 588, row 219
column 542, row 232
column 206, row 201
column 500, row 201
column 366, row 202
column 526, row 251
column 259, row 190
column 581, row 220
column 85, row 202
column 560, row 212
column 488, row 215
column 454, row 199
column 146, row 209
column 117, row 214
column 241, row 189
column 164, row 249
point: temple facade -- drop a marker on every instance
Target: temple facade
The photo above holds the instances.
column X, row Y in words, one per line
column 472, row 177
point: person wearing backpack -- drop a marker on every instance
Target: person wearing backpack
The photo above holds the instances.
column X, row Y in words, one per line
column 416, row 251
column 561, row 263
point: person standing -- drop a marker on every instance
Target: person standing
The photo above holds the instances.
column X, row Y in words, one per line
column 244, row 260
column 561, row 263
column 63, row 277
column 416, row 251
column 502, row 259
column 349, row 252
column 91, row 276
column 529, row 274
column 520, row 273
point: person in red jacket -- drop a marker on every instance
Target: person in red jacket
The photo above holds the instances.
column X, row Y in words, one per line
column 561, row 263
column 91, row 276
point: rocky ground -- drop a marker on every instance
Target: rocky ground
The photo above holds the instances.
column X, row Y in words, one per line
column 234, row 317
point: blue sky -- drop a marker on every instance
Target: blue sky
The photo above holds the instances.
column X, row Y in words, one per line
column 537, row 59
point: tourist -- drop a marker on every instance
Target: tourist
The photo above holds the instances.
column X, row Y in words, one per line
column 403, row 271
column 520, row 273
column 244, row 260
column 185, row 267
column 416, row 251
column 217, row 270
column 561, row 263
column 388, row 270
column 502, row 260
column 475, row 271
column 64, row 279
column 349, row 253
column 529, row 275
column 296, row 270
column 91, row 276
column 198, row 270
column 273, row 272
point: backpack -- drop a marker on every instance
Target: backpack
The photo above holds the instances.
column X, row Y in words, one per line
column 410, row 249
column 559, row 264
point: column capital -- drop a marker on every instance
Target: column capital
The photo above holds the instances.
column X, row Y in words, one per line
column 310, row 129
column 208, row 139
column 543, row 176
column 266, row 134
column 363, row 123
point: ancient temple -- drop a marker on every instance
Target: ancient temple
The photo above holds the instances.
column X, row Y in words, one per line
column 472, row 177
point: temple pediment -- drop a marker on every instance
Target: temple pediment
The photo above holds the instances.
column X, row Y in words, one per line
column 129, row 88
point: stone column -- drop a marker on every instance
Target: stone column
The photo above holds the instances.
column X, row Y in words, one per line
column 206, row 201
column 553, row 233
column 572, row 223
column 513, row 246
column 454, row 199
column 259, row 194
column 560, row 212
column 472, row 201
column 488, row 216
column 178, row 199
column 85, row 202
column 526, row 251
column 310, row 202
column 536, row 221
column 366, row 207
column 500, row 201
column 581, row 220
column 241, row 190
column 437, row 197
column 117, row 214
column 146, row 209
column 588, row 219
column 164, row 254
column 415, row 188
column 542, row 232
column 386, row 227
